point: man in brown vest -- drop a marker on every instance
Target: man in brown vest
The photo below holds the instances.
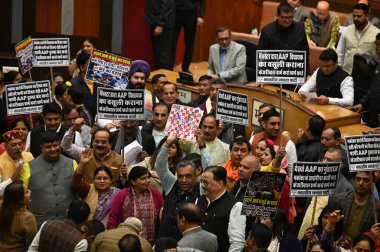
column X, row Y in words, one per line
column 65, row 235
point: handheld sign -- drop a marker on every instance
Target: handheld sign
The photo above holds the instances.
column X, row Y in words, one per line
column 24, row 55
column 232, row 107
column 314, row 179
column 263, row 194
column 363, row 152
column 183, row 121
column 51, row 52
column 280, row 66
column 108, row 69
column 27, row 98
column 115, row 104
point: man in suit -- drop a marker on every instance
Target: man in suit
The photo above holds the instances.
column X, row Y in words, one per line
column 227, row 59
column 189, row 219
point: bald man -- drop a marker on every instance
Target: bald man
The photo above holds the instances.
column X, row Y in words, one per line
column 247, row 165
column 322, row 27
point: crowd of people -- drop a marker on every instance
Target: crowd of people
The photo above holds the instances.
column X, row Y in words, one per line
column 66, row 183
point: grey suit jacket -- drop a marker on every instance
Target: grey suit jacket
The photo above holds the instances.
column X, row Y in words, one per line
column 199, row 239
column 236, row 58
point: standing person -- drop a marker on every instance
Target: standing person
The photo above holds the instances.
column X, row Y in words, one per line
column 63, row 235
column 160, row 15
column 99, row 194
column 88, row 45
column 189, row 14
column 22, row 126
column 138, row 200
column 357, row 38
column 18, row 225
column 49, row 176
column 284, row 34
column 258, row 239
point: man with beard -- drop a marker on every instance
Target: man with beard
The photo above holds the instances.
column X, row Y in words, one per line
column 12, row 160
column 101, row 153
column 138, row 73
column 49, row 176
column 272, row 122
column 357, row 38
column 356, row 206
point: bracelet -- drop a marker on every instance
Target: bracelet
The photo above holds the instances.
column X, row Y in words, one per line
column 202, row 146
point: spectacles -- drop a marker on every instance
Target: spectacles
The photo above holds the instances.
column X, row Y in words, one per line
column 205, row 182
column 365, row 180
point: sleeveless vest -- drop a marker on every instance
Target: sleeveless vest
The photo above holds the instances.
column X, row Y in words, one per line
column 216, row 216
column 176, row 197
column 59, row 236
column 329, row 85
column 51, row 186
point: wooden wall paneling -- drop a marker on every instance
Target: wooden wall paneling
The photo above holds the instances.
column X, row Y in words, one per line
column 6, row 25
column 239, row 15
column 86, row 18
column 48, row 16
column 105, row 25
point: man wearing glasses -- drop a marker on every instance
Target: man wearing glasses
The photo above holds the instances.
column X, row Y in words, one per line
column 284, row 34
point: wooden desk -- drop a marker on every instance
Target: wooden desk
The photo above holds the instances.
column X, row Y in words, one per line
column 296, row 115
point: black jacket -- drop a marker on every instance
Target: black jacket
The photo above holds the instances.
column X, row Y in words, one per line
column 309, row 150
column 372, row 99
column 160, row 12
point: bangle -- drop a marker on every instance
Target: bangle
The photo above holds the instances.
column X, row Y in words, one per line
column 202, row 146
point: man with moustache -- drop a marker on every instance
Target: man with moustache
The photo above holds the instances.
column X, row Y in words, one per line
column 12, row 160
column 133, row 133
column 52, row 118
column 180, row 188
column 203, row 101
column 101, row 153
column 157, row 127
column 49, row 176
column 357, row 38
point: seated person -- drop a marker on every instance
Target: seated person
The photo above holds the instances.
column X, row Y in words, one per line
column 330, row 82
column 322, row 26
column 227, row 58
column 300, row 12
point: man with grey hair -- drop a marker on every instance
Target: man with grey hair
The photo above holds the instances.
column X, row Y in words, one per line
column 178, row 189
column 107, row 241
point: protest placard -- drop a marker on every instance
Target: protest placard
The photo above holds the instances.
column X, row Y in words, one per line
column 27, row 98
column 263, row 194
column 314, row 179
column 256, row 113
column 51, row 52
column 116, row 104
column 232, row 107
column 183, row 121
column 363, row 152
column 108, row 69
column 25, row 55
column 280, row 66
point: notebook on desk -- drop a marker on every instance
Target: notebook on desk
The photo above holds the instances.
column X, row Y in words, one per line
column 186, row 78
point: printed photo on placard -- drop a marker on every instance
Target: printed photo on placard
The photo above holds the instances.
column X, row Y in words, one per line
column 255, row 112
column 25, row 56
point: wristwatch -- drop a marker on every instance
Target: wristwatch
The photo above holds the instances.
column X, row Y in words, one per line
column 202, row 146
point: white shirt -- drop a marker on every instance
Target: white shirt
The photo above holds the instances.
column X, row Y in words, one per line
column 346, row 89
column 80, row 247
column 158, row 135
column 78, row 139
column 341, row 48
